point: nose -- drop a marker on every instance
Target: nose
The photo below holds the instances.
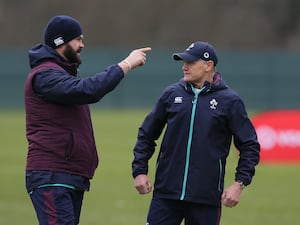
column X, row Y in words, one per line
column 184, row 66
column 82, row 45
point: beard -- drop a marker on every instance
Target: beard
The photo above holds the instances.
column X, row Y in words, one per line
column 71, row 55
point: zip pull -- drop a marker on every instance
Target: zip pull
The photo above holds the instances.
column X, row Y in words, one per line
column 194, row 101
column 196, row 93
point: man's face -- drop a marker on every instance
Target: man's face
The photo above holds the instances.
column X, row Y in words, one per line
column 72, row 50
column 197, row 72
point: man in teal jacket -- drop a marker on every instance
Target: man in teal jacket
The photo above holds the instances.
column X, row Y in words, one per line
column 202, row 115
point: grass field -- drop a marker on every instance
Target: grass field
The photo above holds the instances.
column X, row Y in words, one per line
column 272, row 199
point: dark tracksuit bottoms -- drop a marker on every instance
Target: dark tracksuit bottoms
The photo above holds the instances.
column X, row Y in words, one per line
column 172, row 212
column 56, row 205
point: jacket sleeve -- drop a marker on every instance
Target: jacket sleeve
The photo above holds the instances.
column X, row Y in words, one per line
column 57, row 86
column 148, row 133
column 245, row 140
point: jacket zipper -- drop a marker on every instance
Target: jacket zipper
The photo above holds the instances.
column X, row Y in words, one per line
column 220, row 175
column 190, row 137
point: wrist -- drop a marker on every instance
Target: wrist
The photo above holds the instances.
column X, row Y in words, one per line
column 128, row 64
column 125, row 66
column 241, row 184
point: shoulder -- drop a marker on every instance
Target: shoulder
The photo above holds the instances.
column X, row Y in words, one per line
column 229, row 94
column 46, row 66
column 172, row 89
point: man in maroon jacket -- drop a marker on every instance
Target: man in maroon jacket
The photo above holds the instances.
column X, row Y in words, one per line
column 62, row 155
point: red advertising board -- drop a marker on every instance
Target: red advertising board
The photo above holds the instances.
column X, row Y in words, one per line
column 278, row 133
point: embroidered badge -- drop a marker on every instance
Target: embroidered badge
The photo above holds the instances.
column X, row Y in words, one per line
column 213, row 104
column 190, row 47
column 58, row 41
column 178, row 100
column 206, row 55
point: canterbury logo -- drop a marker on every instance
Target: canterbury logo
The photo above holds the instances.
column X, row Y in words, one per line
column 178, row 100
column 58, row 41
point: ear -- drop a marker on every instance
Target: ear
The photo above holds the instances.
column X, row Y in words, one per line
column 209, row 66
column 60, row 50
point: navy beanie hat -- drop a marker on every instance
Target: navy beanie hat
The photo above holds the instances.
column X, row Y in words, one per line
column 61, row 30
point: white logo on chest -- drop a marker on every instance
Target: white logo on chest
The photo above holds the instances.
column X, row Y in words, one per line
column 178, row 100
column 213, row 103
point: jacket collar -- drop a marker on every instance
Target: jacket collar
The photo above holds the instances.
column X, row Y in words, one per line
column 217, row 84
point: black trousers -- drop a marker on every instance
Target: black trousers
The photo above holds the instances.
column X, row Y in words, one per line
column 173, row 212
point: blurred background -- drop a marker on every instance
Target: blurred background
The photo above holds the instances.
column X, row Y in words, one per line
column 258, row 44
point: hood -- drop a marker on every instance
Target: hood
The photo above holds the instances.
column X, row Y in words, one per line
column 41, row 53
column 217, row 84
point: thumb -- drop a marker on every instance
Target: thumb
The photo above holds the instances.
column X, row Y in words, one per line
column 223, row 196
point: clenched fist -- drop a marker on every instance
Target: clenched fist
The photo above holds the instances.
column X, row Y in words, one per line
column 142, row 184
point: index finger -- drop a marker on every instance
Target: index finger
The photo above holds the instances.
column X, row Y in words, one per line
column 146, row 49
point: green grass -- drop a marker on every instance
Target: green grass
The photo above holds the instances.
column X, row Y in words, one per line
column 272, row 199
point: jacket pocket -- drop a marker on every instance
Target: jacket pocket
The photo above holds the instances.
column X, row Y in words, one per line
column 70, row 146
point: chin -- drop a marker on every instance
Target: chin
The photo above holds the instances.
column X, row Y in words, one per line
column 186, row 79
column 78, row 59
